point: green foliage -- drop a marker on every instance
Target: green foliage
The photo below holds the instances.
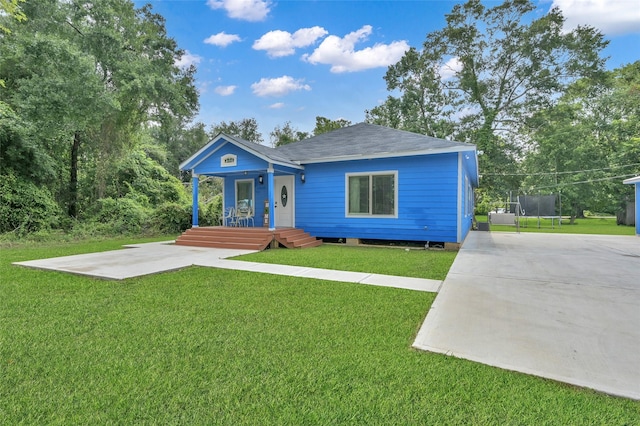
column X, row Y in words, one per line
column 172, row 218
column 479, row 77
column 85, row 79
column 286, row 134
column 25, row 206
column 211, row 212
column 484, row 203
column 246, row 129
column 18, row 152
column 120, row 216
column 178, row 143
column 324, row 125
column 137, row 173
column 587, row 144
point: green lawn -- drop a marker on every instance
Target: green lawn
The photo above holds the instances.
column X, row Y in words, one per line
column 206, row 346
column 432, row 264
column 604, row 226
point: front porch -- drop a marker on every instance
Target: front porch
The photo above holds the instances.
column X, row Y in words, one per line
column 250, row 238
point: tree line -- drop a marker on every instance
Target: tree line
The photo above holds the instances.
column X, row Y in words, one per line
column 95, row 115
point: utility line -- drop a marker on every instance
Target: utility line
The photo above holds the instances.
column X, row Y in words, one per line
column 581, row 182
column 559, row 173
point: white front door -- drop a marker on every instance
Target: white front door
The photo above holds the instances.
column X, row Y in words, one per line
column 284, row 201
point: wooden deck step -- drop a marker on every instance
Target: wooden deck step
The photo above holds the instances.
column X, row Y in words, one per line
column 296, row 238
column 245, row 238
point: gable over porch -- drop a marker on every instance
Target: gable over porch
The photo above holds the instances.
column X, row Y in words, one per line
column 249, row 173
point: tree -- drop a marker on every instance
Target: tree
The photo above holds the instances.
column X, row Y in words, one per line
column 246, row 129
column 425, row 106
column 286, row 134
column 324, row 125
column 11, row 9
column 87, row 76
column 175, row 142
column 586, row 144
column 488, row 70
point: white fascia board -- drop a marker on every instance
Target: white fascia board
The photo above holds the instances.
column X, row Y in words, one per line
column 210, row 154
column 229, row 139
column 632, row 180
column 386, row 155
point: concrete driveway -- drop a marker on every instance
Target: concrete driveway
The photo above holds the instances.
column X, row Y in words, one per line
column 560, row 306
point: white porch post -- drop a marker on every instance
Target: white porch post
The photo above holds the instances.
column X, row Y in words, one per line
column 271, row 192
column 194, row 184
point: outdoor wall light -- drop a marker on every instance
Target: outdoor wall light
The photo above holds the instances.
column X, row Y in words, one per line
column 302, row 178
column 260, row 179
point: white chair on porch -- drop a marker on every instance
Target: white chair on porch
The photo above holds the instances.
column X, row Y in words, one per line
column 229, row 217
column 244, row 213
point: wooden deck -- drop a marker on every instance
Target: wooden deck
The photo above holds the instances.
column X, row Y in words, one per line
column 246, row 238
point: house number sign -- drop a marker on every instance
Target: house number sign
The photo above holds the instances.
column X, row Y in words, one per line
column 229, row 160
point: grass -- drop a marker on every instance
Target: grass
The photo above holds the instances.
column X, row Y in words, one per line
column 206, row 346
column 603, row 226
column 431, row 264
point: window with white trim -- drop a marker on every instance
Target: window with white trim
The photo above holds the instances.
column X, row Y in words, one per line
column 244, row 194
column 372, row 194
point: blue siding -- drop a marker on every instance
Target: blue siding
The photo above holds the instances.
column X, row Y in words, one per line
column 427, row 200
column 246, row 161
column 469, row 176
column 638, row 209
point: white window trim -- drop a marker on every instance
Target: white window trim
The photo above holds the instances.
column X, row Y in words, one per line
column 253, row 191
column 371, row 215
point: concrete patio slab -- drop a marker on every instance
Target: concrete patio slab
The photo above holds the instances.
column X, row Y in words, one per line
column 151, row 258
column 133, row 261
column 560, row 306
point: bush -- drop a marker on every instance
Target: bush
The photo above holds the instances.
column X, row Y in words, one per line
column 211, row 212
column 25, row 207
column 172, row 218
column 120, row 216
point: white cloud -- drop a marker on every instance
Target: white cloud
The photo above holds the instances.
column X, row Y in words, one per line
column 246, row 10
column 450, row 68
column 282, row 43
column 340, row 53
column 225, row 90
column 609, row 16
column 278, row 86
column 222, row 39
column 187, row 59
column 277, row 105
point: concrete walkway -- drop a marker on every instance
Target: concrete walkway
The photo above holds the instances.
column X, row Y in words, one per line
column 560, row 306
column 151, row 258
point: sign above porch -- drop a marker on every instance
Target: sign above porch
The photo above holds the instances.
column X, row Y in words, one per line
column 229, row 160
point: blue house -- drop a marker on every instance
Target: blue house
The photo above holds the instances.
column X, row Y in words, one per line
column 635, row 181
column 359, row 182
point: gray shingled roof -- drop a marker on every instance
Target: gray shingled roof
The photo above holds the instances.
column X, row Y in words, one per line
column 262, row 149
column 363, row 139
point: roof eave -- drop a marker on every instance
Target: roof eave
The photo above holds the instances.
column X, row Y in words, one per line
column 233, row 141
column 387, row 155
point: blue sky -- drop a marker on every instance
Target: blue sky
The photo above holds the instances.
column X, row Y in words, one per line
column 287, row 60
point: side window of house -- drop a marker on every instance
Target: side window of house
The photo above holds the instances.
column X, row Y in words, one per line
column 469, row 191
column 372, row 194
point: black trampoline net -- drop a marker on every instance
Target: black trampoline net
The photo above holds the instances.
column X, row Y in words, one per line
column 537, row 205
